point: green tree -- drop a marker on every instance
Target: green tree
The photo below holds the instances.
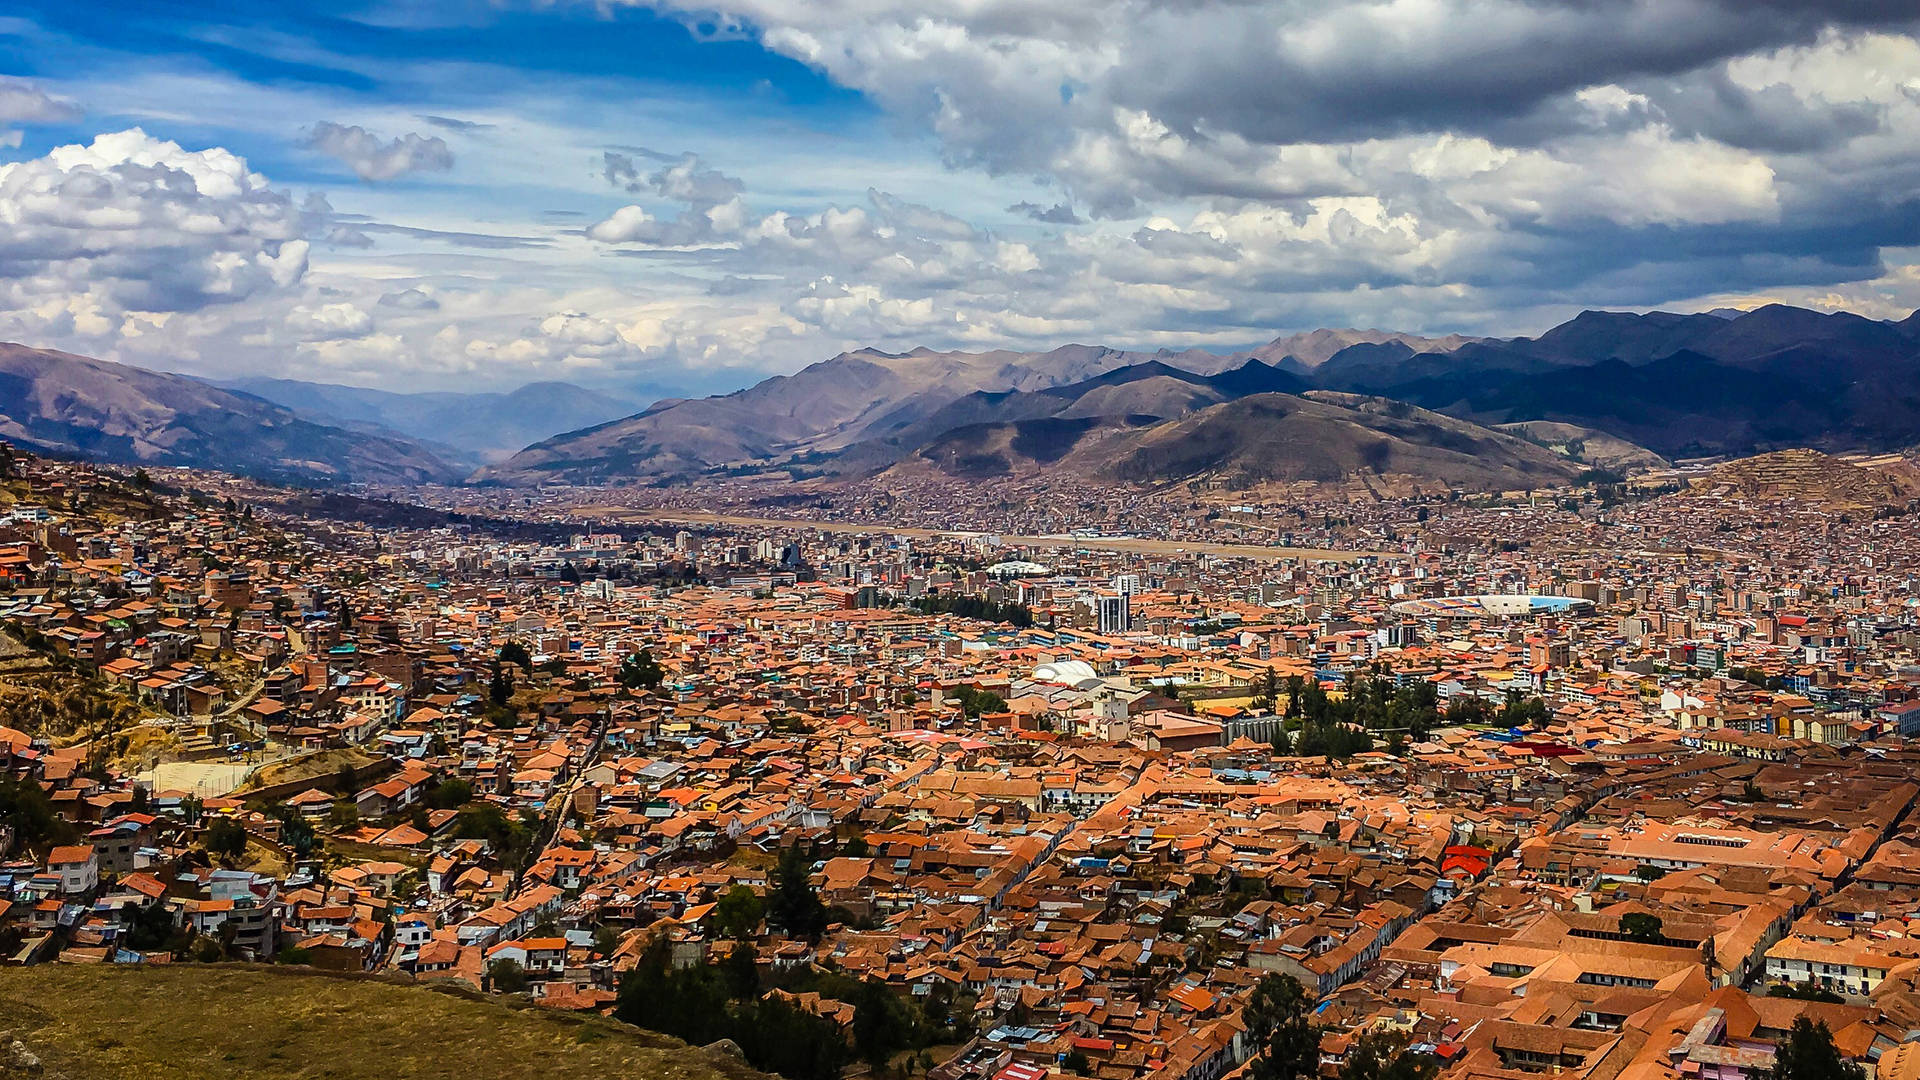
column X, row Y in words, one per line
column 794, row 905
column 640, row 671
column 28, row 812
column 515, row 653
column 973, row 701
column 741, row 970
column 296, row 832
column 1642, row 927
column 450, row 794
column 506, row 976
column 1383, row 1055
column 1279, row 1020
column 1805, row 991
column 739, row 912
column 1076, row 1062
column 499, row 687
column 226, row 838
column 1808, row 1053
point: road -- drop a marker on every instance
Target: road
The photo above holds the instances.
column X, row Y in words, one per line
column 1103, row 543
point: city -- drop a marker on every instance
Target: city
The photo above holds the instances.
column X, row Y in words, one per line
column 1523, row 800
column 960, row 540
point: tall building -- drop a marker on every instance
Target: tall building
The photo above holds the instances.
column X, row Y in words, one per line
column 1115, row 612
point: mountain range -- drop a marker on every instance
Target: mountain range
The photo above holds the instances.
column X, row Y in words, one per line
column 1610, row 390
column 1614, row 390
column 466, row 429
column 60, row 403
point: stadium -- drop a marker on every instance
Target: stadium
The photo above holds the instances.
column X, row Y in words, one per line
column 1490, row 606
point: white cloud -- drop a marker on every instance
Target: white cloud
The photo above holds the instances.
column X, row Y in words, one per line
column 370, row 158
column 329, row 322
column 140, row 224
column 21, row 102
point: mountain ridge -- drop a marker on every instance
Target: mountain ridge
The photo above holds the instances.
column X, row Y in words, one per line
column 1664, row 384
column 57, row 402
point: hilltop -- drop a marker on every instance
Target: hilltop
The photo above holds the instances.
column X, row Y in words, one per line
column 194, row 1022
column 59, row 403
column 1320, row 437
column 1629, row 389
column 1812, row 477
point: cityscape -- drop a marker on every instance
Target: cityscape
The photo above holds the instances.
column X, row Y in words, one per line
column 484, row 597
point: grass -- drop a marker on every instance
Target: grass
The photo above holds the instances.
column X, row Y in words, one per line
column 319, row 766
column 193, row 1022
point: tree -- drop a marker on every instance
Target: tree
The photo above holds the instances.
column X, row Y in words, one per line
column 499, row 687
column 738, row 913
column 296, row 832
column 1806, row 991
column 515, row 653
column 855, row 848
column 1383, row 1055
column 226, row 838
column 149, row 927
column 1076, row 1062
column 1642, row 927
column 741, row 970
column 1808, row 1053
column 506, row 976
column 29, row 813
column 974, row 701
column 450, row 794
column 1278, row 1018
column 794, row 905
column 640, row 671
column 142, row 480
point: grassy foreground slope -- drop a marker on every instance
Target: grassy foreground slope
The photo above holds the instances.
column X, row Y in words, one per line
column 196, row 1022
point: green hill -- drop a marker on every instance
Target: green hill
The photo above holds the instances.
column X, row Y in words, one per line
column 209, row 1023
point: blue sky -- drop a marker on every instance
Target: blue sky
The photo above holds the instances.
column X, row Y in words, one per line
column 670, row 196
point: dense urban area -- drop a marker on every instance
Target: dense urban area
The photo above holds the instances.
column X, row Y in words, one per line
column 992, row 784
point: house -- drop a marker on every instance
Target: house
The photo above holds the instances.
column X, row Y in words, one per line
column 77, row 866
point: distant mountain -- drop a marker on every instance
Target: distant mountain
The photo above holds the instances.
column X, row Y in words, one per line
column 474, row 428
column 1316, row 347
column 61, row 403
column 1320, row 437
column 1659, row 385
column 1686, row 385
column 823, row 408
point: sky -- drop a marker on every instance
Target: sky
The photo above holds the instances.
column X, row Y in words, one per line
column 662, row 197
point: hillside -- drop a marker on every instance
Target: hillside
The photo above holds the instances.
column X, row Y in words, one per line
column 1321, row 437
column 191, row 1022
column 61, row 403
column 1595, row 448
column 1813, row 478
column 1646, row 386
column 825, row 407
column 477, row 428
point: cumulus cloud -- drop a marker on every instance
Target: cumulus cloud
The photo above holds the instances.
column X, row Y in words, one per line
column 371, row 158
column 21, row 102
column 329, row 322
column 1057, row 214
column 140, row 224
column 410, row 300
column 712, row 212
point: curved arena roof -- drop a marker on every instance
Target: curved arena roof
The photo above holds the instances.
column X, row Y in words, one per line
column 1016, row 568
column 1489, row 606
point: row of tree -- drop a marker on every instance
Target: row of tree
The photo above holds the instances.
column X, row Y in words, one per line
column 973, row 607
column 703, row 1004
column 1279, row 1019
